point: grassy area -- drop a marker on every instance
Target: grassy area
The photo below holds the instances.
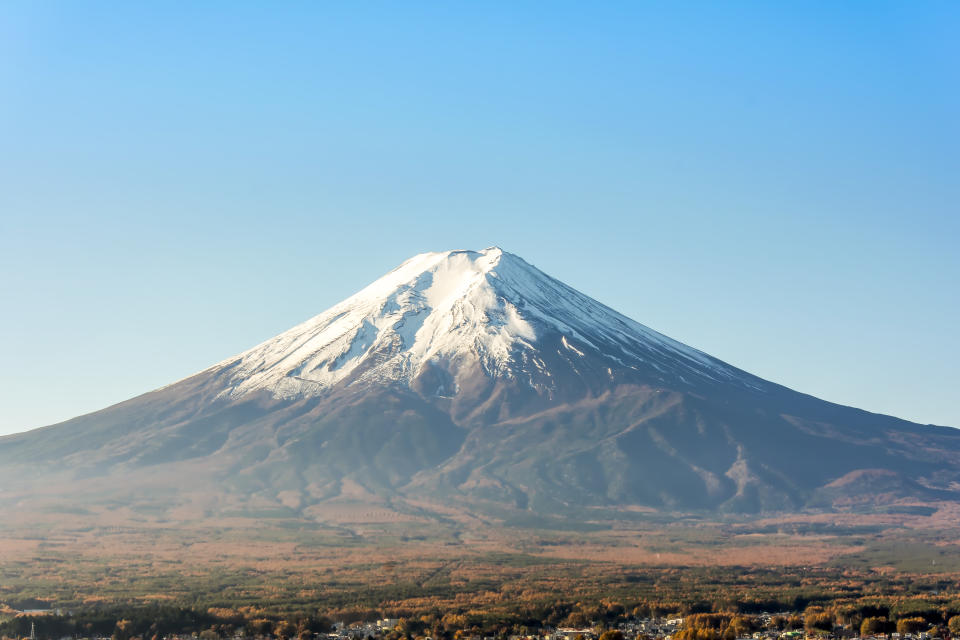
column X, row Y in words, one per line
column 279, row 559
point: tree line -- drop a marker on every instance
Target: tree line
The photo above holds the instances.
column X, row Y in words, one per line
column 702, row 621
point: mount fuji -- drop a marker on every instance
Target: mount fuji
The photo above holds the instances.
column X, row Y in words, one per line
column 471, row 378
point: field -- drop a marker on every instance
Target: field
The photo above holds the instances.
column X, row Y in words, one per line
column 354, row 560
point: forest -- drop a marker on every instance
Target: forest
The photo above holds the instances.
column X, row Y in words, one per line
column 716, row 604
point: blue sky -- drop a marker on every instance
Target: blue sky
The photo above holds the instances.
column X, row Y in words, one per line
column 774, row 183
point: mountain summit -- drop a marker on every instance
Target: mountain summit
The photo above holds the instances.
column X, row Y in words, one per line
column 472, row 380
column 462, row 310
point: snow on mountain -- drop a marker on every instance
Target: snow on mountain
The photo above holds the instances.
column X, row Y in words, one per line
column 489, row 307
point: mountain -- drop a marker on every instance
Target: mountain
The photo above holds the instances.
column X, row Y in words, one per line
column 474, row 379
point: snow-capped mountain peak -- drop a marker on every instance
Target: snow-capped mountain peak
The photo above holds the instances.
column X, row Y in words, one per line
column 472, row 380
column 456, row 308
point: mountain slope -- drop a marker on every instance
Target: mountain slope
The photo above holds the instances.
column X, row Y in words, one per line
column 472, row 378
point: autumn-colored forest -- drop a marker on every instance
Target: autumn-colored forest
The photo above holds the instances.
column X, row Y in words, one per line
column 286, row 576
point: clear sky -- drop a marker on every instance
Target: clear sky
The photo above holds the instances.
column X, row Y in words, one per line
column 775, row 183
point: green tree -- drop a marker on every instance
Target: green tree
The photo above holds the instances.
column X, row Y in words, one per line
column 872, row 626
column 284, row 629
column 911, row 625
column 123, row 630
column 260, row 626
column 819, row 621
column 954, row 625
column 740, row 626
column 576, row 620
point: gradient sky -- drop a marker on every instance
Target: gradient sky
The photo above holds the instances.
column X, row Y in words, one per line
column 774, row 183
